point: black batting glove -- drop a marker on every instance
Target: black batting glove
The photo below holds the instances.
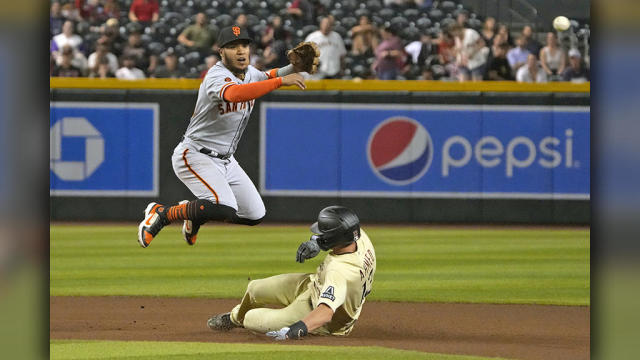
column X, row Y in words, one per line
column 307, row 250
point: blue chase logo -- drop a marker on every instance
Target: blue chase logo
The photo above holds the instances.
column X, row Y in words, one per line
column 399, row 150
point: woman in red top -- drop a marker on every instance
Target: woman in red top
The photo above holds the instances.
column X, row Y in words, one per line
column 144, row 11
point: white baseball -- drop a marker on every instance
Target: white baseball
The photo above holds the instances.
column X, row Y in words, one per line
column 561, row 23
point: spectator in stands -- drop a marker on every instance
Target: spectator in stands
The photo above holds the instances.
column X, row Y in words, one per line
column 390, row 55
column 471, row 53
column 505, row 34
column 365, row 37
column 144, row 12
column 78, row 60
column 136, row 49
column 209, row 62
column 66, row 68
column 552, row 57
column 446, row 53
column 275, row 55
column 102, row 52
column 111, row 36
column 56, row 20
column 128, row 71
column 489, row 30
column 90, row 11
column 52, row 64
column 111, row 9
column 302, row 12
column 576, row 71
column 69, row 12
column 67, row 37
column 199, row 36
column 531, row 72
column 519, row 55
column 102, row 70
column 274, row 31
column 462, row 18
column 499, row 68
column 332, row 50
column 420, row 50
column 243, row 21
column 171, row 67
column 532, row 44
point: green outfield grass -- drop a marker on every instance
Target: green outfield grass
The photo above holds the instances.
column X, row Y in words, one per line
column 140, row 350
column 501, row 265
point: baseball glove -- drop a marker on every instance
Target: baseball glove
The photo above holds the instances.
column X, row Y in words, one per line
column 305, row 57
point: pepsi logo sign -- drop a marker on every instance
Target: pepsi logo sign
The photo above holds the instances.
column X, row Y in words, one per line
column 399, row 150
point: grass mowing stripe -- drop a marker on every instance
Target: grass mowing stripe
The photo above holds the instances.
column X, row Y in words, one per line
column 545, row 266
column 75, row 350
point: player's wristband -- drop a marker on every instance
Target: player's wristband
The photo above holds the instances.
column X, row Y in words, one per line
column 297, row 330
column 284, row 71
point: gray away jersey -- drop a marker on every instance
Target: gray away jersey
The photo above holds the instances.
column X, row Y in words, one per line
column 217, row 124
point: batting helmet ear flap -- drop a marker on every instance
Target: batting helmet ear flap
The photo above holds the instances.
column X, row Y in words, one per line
column 336, row 225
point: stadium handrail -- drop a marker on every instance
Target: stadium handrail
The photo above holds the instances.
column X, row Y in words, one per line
column 346, row 85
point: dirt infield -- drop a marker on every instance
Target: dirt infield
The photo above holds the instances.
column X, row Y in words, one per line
column 511, row 331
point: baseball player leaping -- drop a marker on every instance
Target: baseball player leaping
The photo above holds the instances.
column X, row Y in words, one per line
column 204, row 159
column 325, row 303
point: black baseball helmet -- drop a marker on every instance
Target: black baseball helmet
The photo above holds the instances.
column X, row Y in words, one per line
column 336, row 226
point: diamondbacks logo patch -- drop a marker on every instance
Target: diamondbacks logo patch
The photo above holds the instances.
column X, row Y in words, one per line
column 227, row 79
column 328, row 294
column 236, row 31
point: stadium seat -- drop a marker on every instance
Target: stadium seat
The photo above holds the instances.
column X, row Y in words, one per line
column 156, row 48
column 436, row 14
column 374, row 6
column 399, row 22
column 448, row 6
column 387, row 14
column 340, row 30
column 410, row 34
column 423, row 23
column 224, row 20
column 308, row 30
column 349, row 22
column 361, row 12
column 192, row 59
column 337, row 13
column 411, row 14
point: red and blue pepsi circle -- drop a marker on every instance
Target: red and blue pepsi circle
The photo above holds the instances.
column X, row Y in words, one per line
column 399, row 150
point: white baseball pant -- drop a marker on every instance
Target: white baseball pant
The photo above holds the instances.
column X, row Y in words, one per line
column 220, row 181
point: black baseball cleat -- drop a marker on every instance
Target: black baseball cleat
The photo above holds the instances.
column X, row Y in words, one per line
column 153, row 222
column 189, row 230
column 221, row 322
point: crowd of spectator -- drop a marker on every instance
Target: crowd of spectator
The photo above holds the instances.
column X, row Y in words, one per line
column 384, row 39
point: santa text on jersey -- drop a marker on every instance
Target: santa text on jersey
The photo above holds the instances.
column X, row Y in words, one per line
column 226, row 107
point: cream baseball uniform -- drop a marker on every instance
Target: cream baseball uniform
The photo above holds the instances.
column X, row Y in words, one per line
column 341, row 282
column 204, row 159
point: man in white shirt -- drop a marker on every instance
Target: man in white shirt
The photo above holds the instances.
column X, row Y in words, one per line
column 128, row 71
column 471, row 53
column 67, row 37
column 102, row 50
column 531, row 72
column 332, row 50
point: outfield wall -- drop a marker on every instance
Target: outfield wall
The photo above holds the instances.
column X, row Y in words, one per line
column 479, row 153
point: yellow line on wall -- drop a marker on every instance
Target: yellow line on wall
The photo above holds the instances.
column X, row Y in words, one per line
column 347, row 85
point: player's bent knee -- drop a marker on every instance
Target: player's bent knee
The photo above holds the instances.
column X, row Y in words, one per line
column 205, row 210
column 254, row 287
column 245, row 221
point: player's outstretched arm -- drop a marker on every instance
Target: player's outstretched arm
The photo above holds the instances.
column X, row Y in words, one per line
column 315, row 319
column 254, row 90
